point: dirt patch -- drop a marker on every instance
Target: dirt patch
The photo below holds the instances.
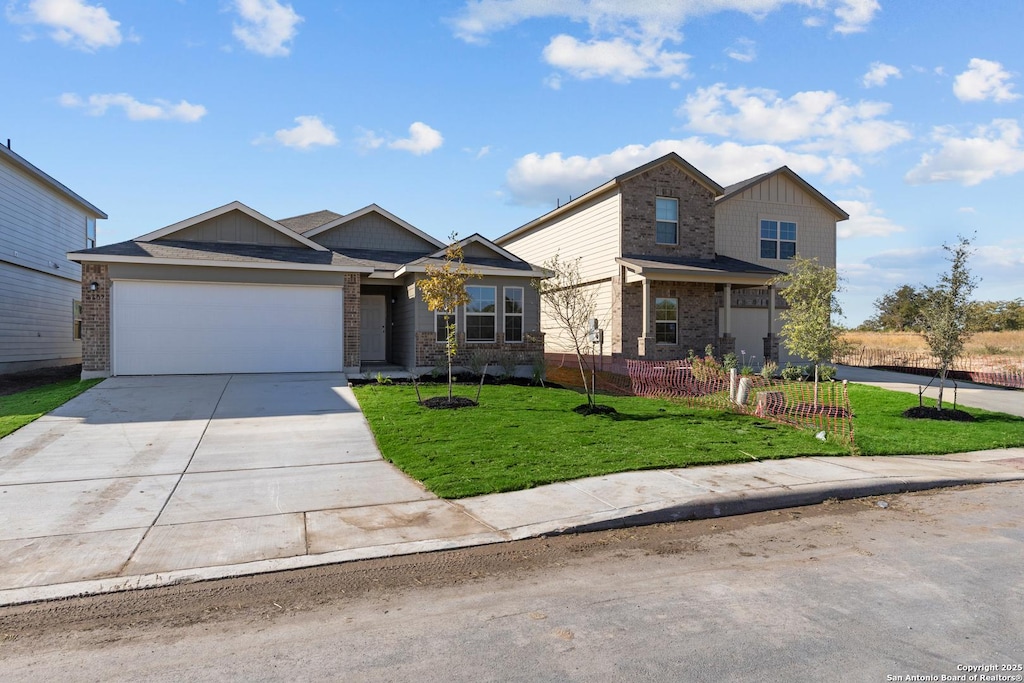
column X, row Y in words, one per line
column 587, row 409
column 445, row 403
column 30, row 379
column 926, row 413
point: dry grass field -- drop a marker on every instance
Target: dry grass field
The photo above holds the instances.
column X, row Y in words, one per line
column 984, row 351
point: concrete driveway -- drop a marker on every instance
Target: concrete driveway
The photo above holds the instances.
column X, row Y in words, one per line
column 143, row 475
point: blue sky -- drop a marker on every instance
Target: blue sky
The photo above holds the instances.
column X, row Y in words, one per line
column 478, row 116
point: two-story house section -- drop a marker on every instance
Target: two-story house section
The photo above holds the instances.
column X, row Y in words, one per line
column 767, row 220
column 40, row 310
column 646, row 246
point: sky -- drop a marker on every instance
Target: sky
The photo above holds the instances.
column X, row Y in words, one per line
column 478, row 116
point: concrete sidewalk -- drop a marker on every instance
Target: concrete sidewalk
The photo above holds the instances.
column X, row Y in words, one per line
column 234, row 476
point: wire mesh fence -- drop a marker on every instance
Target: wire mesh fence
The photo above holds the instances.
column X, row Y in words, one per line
column 993, row 370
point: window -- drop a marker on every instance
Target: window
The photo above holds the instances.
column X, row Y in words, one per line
column 513, row 314
column 480, row 314
column 667, row 231
column 441, row 321
column 90, row 232
column 76, row 317
column 666, row 321
column 778, row 239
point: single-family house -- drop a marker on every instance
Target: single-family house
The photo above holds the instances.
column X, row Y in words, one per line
column 233, row 291
column 40, row 221
column 676, row 262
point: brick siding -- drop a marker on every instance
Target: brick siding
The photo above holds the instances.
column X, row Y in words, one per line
column 95, row 319
column 696, row 233
column 351, row 321
column 430, row 353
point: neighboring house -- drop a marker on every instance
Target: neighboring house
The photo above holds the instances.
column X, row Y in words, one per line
column 40, row 221
column 231, row 290
column 675, row 261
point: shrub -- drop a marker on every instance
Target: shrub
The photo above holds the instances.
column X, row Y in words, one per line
column 792, row 373
column 729, row 361
column 826, row 373
column 706, row 368
column 769, row 369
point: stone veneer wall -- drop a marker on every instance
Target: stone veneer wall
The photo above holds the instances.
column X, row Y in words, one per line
column 430, row 353
column 350, row 294
column 95, row 320
column 696, row 233
column 697, row 325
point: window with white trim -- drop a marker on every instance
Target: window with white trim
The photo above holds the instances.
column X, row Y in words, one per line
column 513, row 314
column 90, row 232
column 481, row 313
column 667, row 228
column 778, row 239
column 666, row 320
column 441, row 321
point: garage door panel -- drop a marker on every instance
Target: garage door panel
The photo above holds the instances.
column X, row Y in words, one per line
column 195, row 328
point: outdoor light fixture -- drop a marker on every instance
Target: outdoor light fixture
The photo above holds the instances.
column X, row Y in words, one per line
column 93, row 286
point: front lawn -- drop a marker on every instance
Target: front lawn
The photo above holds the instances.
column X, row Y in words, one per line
column 880, row 429
column 17, row 410
column 519, row 437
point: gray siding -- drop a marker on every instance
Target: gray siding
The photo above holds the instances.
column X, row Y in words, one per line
column 36, row 325
column 531, row 305
column 373, row 231
column 234, row 227
column 38, row 226
column 477, row 250
column 133, row 271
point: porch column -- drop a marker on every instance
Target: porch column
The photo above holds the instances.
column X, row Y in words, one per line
column 645, row 344
column 771, row 342
column 728, row 309
column 726, row 342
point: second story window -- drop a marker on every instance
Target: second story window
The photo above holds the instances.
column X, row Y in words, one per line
column 778, row 239
column 90, row 232
column 667, row 230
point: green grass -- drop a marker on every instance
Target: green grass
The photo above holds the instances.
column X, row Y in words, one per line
column 880, row 429
column 521, row 437
column 17, row 410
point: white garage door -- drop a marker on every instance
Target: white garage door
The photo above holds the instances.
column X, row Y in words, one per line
column 171, row 328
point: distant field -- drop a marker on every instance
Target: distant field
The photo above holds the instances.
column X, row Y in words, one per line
column 984, row 351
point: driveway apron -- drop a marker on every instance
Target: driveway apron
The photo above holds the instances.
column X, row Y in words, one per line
column 142, row 475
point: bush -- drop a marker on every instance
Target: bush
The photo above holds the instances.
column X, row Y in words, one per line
column 769, row 369
column 826, row 373
column 792, row 373
column 729, row 361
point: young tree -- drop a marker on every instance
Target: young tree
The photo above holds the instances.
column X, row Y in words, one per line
column 444, row 290
column 810, row 289
column 945, row 315
column 570, row 306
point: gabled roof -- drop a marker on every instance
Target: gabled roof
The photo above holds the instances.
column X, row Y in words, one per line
column 740, row 187
column 221, row 254
column 308, row 221
column 671, row 157
column 504, row 262
column 53, row 184
column 373, row 208
column 227, row 208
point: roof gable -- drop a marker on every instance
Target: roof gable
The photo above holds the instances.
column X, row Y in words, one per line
column 741, row 187
column 308, row 221
column 372, row 227
column 234, row 222
column 478, row 246
column 25, row 166
column 682, row 163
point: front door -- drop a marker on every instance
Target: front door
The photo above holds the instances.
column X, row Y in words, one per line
column 373, row 320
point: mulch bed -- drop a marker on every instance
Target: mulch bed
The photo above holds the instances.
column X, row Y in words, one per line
column 926, row 413
column 445, row 403
column 587, row 409
column 30, row 379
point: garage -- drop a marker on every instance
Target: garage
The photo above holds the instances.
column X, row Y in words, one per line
column 171, row 328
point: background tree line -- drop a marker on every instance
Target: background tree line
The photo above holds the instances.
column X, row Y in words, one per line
column 901, row 311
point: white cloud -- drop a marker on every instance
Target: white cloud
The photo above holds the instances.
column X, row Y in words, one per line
column 72, row 22
column 618, row 59
column 368, row 140
column 967, row 209
column 743, row 50
column 554, row 81
column 879, row 74
column 479, row 18
column 267, row 27
column 422, row 139
column 308, row 132
column 866, row 220
column 984, row 80
column 815, row 120
column 98, row 104
column 478, row 153
column 537, row 179
column 989, row 151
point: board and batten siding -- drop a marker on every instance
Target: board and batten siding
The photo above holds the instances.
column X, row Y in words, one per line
column 37, row 228
column 233, row 227
column 738, row 222
column 373, row 231
column 589, row 232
